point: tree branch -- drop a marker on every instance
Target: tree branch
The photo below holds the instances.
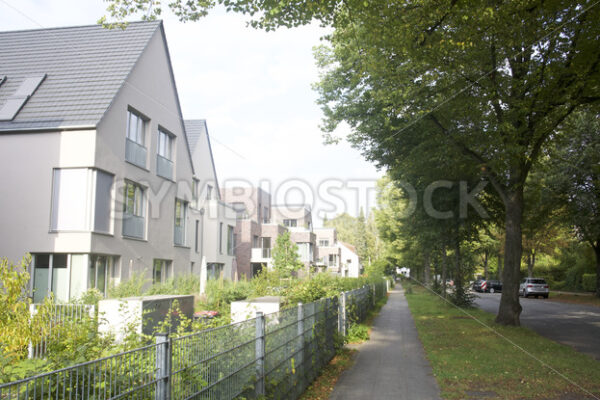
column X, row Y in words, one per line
column 487, row 171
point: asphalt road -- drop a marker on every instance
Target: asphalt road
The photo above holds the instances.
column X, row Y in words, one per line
column 571, row 324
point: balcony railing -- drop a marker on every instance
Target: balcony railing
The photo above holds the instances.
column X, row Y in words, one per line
column 133, row 226
column 164, row 167
column 179, row 237
column 259, row 254
column 135, row 153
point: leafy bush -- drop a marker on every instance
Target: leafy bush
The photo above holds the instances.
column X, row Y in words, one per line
column 182, row 284
column 16, row 329
column 357, row 333
column 588, row 282
column 132, row 287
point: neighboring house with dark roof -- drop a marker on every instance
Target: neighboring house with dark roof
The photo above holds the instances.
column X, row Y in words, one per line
column 97, row 174
column 216, row 221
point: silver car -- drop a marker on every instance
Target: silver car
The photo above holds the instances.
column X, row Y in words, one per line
column 534, row 287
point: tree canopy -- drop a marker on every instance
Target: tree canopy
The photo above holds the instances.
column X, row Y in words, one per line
column 492, row 82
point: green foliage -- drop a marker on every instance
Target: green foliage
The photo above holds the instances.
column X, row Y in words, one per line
column 359, row 232
column 90, row 296
column 588, row 282
column 16, row 330
column 220, row 292
column 181, row 284
column 357, row 333
column 286, row 259
column 132, row 287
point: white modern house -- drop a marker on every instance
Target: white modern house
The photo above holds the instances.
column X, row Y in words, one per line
column 99, row 181
column 351, row 266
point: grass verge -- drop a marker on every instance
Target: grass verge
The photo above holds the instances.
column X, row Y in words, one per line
column 470, row 361
column 322, row 387
column 575, row 299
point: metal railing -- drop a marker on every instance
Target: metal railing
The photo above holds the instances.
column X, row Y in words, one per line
column 275, row 356
column 57, row 314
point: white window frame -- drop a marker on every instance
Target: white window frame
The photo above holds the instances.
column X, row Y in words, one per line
column 165, row 144
column 137, row 208
column 180, row 219
column 136, row 134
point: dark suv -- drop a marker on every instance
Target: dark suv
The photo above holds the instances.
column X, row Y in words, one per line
column 487, row 286
column 494, row 286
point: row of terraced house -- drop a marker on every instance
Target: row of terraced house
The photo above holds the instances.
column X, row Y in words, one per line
column 103, row 179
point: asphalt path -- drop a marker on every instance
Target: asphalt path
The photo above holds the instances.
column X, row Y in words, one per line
column 571, row 324
column 392, row 364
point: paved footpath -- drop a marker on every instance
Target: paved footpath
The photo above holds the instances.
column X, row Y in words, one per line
column 392, row 364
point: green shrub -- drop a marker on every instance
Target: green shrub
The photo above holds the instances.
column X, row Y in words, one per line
column 132, row 287
column 16, row 330
column 357, row 333
column 588, row 282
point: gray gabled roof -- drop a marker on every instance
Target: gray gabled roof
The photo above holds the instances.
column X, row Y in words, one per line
column 194, row 130
column 85, row 67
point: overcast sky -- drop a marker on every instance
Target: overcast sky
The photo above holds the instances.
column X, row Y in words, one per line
column 254, row 90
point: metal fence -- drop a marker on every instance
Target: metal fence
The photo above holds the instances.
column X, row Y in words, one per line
column 57, row 315
column 274, row 356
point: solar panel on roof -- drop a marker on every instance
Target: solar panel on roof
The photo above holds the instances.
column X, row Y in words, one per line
column 17, row 100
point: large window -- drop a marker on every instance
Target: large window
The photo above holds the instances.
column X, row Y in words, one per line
column 230, row 240
column 102, row 270
column 265, row 243
column 332, row 260
column 134, row 221
column 180, row 217
column 135, row 148
column 161, row 271
column 81, row 200
column 164, row 161
column 290, row 223
column 214, row 270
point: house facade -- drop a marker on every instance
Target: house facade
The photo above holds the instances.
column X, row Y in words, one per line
column 328, row 250
column 350, row 262
column 99, row 180
column 213, row 220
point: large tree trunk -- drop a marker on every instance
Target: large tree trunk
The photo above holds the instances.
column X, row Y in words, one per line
column 444, row 270
column 510, row 309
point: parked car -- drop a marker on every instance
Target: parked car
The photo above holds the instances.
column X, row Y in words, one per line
column 480, row 285
column 487, row 286
column 494, row 286
column 534, row 287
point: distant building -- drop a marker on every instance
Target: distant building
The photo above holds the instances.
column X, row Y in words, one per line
column 351, row 266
